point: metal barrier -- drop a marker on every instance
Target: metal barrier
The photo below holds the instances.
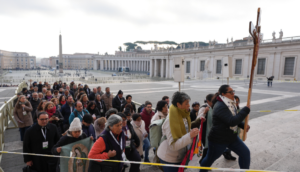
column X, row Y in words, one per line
column 6, row 117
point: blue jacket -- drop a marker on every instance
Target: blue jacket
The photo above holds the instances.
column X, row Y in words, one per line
column 89, row 131
column 66, row 112
column 79, row 115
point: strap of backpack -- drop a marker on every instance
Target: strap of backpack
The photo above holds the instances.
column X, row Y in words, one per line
column 75, row 114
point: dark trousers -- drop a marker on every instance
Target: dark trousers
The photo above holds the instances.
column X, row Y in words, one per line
column 133, row 155
column 169, row 169
column 215, row 150
column 22, row 132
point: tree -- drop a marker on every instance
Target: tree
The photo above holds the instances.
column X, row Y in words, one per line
column 130, row 45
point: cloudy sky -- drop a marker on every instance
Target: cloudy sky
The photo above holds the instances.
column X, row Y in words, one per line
column 92, row 26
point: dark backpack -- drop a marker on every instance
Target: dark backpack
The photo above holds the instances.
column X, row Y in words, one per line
column 140, row 109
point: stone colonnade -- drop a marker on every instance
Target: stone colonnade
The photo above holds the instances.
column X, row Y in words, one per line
column 161, row 68
column 113, row 65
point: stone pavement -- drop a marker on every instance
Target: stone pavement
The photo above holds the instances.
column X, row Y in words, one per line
column 273, row 138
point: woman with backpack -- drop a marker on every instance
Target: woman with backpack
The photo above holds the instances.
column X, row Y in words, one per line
column 177, row 132
column 162, row 110
column 223, row 133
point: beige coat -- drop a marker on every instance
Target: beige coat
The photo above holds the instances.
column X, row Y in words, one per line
column 23, row 120
column 140, row 132
column 173, row 153
column 107, row 101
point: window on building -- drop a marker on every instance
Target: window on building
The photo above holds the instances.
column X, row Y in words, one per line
column 188, row 67
column 238, row 66
column 289, row 66
column 202, row 65
column 219, row 66
column 261, row 65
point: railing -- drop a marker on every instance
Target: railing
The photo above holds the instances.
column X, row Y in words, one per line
column 6, row 117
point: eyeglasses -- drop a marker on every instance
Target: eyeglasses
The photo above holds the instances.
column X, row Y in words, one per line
column 44, row 119
column 231, row 92
column 124, row 120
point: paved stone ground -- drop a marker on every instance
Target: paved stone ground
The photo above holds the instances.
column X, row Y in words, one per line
column 273, row 139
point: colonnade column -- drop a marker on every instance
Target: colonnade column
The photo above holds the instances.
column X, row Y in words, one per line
column 167, row 68
column 155, row 67
column 162, row 68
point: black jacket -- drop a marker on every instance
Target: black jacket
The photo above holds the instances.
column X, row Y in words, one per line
column 94, row 111
column 101, row 108
column 134, row 141
column 132, row 104
column 59, row 124
column 87, row 91
column 40, row 87
column 193, row 115
column 56, row 87
column 34, row 105
column 222, row 121
column 65, row 140
column 33, row 143
column 117, row 103
column 92, row 96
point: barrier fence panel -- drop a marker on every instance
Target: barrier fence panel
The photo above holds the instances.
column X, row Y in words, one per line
column 6, row 116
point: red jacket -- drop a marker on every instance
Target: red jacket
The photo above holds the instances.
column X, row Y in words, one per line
column 146, row 117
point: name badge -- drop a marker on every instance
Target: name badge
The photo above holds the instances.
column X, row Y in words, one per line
column 128, row 144
column 101, row 110
column 24, row 113
column 45, row 145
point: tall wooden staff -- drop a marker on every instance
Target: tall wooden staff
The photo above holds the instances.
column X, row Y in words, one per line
column 255, row 33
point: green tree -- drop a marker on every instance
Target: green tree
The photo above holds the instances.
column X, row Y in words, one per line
column 130, row 45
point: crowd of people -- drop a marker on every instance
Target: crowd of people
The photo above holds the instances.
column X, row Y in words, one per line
column 50, row 117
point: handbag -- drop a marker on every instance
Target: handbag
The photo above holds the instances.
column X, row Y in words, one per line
column 28, row 169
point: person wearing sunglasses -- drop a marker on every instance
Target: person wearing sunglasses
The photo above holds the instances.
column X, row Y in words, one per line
column 224, row 132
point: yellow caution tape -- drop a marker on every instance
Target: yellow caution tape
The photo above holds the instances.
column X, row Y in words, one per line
column 143, row 163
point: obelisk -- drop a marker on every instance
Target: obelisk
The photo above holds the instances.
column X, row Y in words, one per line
column 60, row 56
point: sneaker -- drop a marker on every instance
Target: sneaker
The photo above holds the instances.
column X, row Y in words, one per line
column 228, row 156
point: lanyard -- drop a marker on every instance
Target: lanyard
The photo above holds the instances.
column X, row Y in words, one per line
column 116, row 140
column 44, row 134
column 100, row 105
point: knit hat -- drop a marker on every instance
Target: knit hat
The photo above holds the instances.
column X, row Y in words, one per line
column 120, row 92
column 75, row 125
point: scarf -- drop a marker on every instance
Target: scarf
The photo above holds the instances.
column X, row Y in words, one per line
column 177, row 126
column 231, row 104
column 62, row 102
column 51, row 111
column 107, row 94
column 48, row 98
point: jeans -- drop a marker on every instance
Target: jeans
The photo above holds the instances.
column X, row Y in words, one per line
column 22, row 132
column 269, row 83
column 169, row 169
column 215, row 150
column 146, row 148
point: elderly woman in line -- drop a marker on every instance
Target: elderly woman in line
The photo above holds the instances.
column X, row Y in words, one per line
column 177, row 133
column 22, row 114
column 110, row 145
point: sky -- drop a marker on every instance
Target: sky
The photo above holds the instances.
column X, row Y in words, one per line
column 92, row 26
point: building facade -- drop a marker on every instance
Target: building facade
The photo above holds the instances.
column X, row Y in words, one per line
column 16, row 60
column 277, row 57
